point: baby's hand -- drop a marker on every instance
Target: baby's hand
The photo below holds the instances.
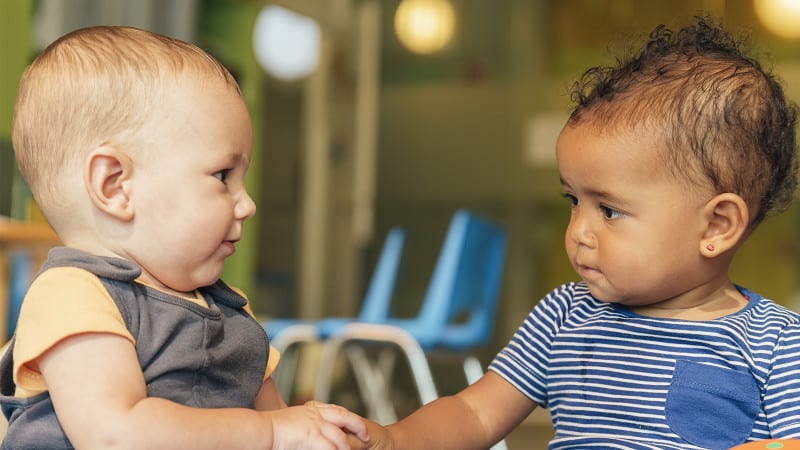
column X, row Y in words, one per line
column 316, row 425
column 379, row 438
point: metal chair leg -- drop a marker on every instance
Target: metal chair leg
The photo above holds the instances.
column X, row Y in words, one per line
column 327, row 360
column 384, row 334
column 472, row 369
column 288, row 342
column 374, row 386
column 374, row 377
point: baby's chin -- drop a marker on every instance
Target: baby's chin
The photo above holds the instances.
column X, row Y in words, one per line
column 603, row 295
column 189, row 285
column 598, row 293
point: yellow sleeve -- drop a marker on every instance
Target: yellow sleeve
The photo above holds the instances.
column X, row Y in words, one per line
column 274, row 354
column 61, row 302
column 272, row 363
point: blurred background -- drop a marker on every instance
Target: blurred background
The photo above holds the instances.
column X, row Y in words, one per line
column 375, row 113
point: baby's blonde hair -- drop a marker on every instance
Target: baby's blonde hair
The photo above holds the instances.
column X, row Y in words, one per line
column 95, row 86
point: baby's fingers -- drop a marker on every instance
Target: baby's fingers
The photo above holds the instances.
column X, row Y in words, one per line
column 342, row 418
column 357, row 444
column 379, row 438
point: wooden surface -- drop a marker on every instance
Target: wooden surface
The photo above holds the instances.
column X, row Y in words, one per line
column 16, row 232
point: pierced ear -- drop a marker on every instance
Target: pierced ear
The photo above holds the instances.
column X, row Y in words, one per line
column 728, row 219
column 107, row 178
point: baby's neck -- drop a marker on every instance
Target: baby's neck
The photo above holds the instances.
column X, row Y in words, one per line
column 720, row 304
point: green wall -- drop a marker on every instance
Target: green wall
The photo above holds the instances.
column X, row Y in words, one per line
column 15, row 51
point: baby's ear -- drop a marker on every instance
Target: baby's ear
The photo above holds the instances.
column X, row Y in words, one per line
column 727, row 220
column 107, row 176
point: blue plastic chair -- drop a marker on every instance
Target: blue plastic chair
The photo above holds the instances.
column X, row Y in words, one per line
column 20, row 275
column 465, row 284
column 286, row 334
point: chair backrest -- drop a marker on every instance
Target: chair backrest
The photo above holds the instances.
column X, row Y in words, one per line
column 378, row 297
column 465, row 284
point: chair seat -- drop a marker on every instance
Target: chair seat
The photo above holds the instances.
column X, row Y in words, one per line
column 455, row 337
column 277, row 326
column 324, row 327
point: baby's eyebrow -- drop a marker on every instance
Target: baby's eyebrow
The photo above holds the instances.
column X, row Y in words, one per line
column 609, row 198
column 596, row 193
column 233, row 159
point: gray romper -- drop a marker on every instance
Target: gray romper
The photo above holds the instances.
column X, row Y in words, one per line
column 212, row 357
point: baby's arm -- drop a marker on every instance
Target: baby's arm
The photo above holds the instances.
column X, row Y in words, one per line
column 269, row 398
column 475, row 418
column 99, row 394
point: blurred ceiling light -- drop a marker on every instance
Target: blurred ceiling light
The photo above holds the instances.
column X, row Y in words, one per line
column 286, row 44
column 424, row 26
column 781, row 17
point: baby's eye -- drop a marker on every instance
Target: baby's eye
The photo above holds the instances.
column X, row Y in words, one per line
column 222, row 175
column 573, row 201
column 611, row 213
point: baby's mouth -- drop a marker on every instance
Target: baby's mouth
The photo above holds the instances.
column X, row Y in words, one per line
column 587, row 272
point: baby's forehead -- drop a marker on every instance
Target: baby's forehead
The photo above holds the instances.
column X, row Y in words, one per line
column 649, row 142
column 645, row 132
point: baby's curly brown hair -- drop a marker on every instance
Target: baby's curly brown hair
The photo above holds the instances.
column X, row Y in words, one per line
column 725, row 120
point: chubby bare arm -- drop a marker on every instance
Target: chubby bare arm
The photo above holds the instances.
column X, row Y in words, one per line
column 100, row 398
column 475, row 418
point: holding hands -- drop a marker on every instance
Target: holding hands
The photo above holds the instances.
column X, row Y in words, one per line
column 378, row 438
column 317, row 426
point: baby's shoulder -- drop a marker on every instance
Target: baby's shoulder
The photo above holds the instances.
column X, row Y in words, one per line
column 766, row 310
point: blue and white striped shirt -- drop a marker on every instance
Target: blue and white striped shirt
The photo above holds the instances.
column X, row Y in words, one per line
column 615, row 379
